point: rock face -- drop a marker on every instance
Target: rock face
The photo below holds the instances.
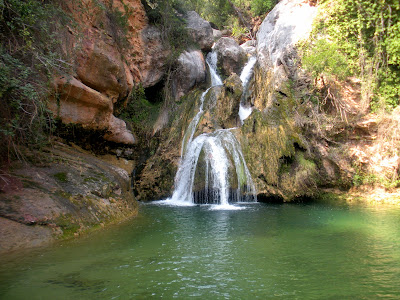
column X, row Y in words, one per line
column 62, row 193
column 278, row 154
column 231, row 57
column 190, row 71
column 289, row 22
column 99, row 66
column 153, row 63
column 79, row 104
column 200, row 30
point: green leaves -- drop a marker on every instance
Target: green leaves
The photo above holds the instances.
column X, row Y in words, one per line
column 325, row 58
column 30, row 53
column 366, row 35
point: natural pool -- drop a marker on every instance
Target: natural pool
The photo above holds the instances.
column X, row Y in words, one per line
column 301, row 251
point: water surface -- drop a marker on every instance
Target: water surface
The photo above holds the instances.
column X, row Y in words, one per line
column 313, row 251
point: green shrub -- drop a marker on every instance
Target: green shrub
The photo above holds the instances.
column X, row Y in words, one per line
column 326, row 59
column 29, row 54
column 260, row 7
column 367, row 34
column 139, row 112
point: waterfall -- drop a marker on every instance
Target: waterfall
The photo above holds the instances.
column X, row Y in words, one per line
column 212, row 169
column 245, row 76
column 211, row 61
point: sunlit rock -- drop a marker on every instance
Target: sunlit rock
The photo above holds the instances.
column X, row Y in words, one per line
column 200, row 30
column 190, row 71
column 231, row 57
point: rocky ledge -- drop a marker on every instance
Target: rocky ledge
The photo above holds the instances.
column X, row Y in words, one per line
column 60, row 193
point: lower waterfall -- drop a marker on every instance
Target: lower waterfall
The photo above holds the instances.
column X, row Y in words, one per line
column 212, row 169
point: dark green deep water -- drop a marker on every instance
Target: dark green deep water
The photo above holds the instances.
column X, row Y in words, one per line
column 313, row 251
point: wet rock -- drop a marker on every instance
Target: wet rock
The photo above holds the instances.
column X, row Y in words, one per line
column 227, row 107
column 200, row 30
column 231, row 57
column 190, row 71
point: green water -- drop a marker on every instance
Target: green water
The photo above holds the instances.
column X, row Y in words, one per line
column 312, row 251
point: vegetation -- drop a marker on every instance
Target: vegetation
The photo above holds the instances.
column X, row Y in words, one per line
column 359, row 38
column 29, row 55
column 140, row 113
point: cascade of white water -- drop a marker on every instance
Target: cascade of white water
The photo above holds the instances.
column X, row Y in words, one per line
column 215, row 81
column 220, row 154
column 245, row 76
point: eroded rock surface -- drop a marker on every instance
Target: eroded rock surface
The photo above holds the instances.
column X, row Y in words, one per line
column 64, row 192
column 289, row 22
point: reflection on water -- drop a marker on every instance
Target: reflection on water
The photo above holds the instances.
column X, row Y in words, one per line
column 267, row 251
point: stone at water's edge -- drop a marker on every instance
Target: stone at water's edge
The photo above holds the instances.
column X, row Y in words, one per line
column 66, row 191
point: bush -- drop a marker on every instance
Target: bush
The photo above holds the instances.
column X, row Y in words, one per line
column 260, row 7
column 325, row 59
column 29, row 54
column 367, row 34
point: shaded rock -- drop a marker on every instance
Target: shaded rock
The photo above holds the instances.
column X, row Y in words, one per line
column 231, row 57
column 190, row 71
column 200, row 30
column 153, row 64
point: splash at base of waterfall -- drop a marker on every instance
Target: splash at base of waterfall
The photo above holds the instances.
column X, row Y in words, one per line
column 213, row 171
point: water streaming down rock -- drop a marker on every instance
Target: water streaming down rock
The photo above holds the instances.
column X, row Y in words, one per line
column 245, row 109
column 213, row 169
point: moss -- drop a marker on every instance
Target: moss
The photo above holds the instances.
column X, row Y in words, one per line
column 61, row 176
column 68, row 226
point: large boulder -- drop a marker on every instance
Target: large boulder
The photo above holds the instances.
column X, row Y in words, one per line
column 200, row 30
column 66, row 192
column 231, row 57
column 289, row 22
column 191, row 70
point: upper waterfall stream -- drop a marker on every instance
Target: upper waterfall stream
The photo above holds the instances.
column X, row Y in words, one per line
column 212, row 169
